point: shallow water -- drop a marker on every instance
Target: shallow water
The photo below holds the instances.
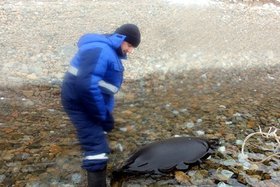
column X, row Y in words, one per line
column 39, row 146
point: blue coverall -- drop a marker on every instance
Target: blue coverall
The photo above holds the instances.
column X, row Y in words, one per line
column 94, row 76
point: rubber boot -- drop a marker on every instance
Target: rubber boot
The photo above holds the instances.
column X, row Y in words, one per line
column 96, row 178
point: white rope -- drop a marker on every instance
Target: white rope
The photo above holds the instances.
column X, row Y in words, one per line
column 272, row 133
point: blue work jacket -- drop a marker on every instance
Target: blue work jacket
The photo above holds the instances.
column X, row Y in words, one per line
column 94, row 76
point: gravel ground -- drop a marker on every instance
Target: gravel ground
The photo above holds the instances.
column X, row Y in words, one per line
column 38, row 37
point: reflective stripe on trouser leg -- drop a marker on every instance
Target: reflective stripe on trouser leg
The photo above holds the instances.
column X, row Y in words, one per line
column 95, row 162
column 101, row 156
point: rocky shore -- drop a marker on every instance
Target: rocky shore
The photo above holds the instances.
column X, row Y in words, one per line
column 204, row 68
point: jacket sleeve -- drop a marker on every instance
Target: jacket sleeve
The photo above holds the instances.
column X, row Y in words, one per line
column 93, row 66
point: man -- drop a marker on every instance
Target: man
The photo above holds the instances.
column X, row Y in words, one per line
column 94, row 76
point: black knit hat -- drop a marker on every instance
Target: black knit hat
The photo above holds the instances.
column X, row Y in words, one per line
column 131, row 32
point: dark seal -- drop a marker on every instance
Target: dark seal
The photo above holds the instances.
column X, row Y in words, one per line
column 172, row 154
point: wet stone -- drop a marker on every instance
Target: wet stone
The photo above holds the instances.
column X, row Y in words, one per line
column 76, row 178
column 222, row 184
column 22, row 156
column 230, row 162
column 2, row 178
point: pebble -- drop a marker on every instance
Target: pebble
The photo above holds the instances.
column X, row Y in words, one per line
column 35, row 184
column 199, row 121
column 76, row 178
column 199, row 133
column 222, row 149
column 24, row 156
column 189, row 125
column 175, row 112
column 222, row 184
column 2, row 178
column 227, row 174
column 123, row 129
column 229, row 162
column 239, row 142
column 183, row 110
column 228, row 122
column 222, row 106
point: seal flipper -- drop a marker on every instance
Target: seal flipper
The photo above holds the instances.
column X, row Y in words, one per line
column 158, row 172
column 166, row 169
column 182, row 166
